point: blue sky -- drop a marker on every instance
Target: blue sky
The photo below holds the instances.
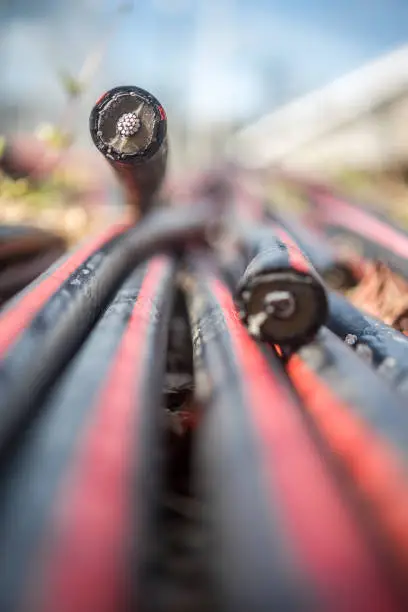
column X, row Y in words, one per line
column 219, row 57
column 309, row 42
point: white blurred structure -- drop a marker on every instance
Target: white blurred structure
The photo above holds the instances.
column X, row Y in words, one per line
column 359, row 121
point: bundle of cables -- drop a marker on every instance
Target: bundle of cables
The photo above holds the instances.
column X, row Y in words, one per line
column 191, row 418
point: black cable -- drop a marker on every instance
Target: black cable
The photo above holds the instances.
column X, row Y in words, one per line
column 250, row 557
column 368, row 232
column 263, row 479
column 337, row 272
column 57, row 330
column 129, row 127
column 364, row 424
column 359, row 386
column 94, row 449
column 377, row 343
column 281, row 297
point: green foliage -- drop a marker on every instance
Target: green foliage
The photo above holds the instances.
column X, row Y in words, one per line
column 70, row 84
column 54, row 190
column 58, row 187
column 352, row 179
column 54, row 136
column 2, row 146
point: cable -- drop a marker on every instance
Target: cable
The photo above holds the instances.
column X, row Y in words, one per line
column 338, row 272
column 366, row 426
column 379, row 344
column 60, row 326
column 129, row 127
column 275, row 512
column 79, row 511
column 18, row 313
column 370, row 233
column 282, row 299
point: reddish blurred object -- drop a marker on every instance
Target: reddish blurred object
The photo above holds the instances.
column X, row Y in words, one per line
column 383, row 294
column 26, row 156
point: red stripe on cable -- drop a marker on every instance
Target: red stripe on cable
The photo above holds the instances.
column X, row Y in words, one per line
column 363, row 223
column 14, row 320
column 325, row 533
column 88, row 558
column 296, row 258
column 99, row 100
column 377, row 470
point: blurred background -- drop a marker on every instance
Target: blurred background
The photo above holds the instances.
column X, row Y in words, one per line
column 303, row 85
